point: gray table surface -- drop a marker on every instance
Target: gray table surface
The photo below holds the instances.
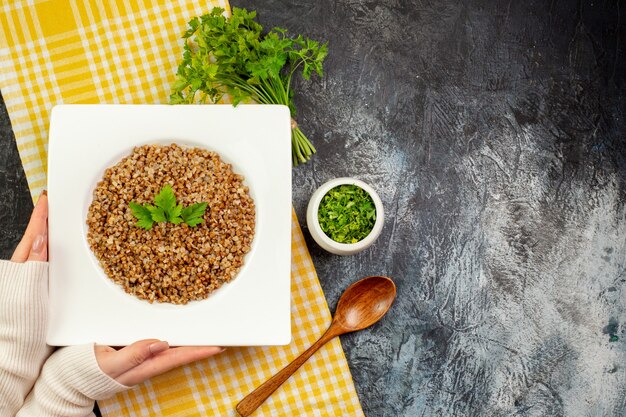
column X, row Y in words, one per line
column 495, row 134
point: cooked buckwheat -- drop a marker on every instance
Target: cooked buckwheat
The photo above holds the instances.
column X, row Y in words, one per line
column 172, row 263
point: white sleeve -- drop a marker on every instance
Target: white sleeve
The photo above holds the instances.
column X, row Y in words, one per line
column 68, row 385
column 23, row 324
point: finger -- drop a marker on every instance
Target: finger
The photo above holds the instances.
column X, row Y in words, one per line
column 36, row 226
column 166, row 361
column 116, row 362
column 39, row 249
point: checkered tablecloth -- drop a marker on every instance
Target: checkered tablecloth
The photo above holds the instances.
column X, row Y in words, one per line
column 118, row 51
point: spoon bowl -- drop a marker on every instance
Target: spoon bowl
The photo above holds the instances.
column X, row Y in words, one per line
column 361, row 305
column 364, row 303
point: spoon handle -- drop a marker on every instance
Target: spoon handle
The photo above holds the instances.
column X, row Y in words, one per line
column 253, row 400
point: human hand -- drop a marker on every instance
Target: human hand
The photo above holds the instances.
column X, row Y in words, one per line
column 144, row 359
column 34, row 243
column 134, row 363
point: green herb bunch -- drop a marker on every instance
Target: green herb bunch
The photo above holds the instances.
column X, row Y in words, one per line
column 347, row 214
column 165, row 209
column 232, row 56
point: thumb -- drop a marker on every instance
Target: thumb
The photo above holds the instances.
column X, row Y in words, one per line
column 115, row 363
column 39, row 249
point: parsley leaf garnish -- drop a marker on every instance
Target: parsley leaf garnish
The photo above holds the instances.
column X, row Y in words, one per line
column 192, row 215
column 165, row 199
column 157, row 213
column 143, row 215
column 166, row 210
column 234, row 56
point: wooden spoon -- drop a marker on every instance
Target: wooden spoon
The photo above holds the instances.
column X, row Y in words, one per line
column 361, row 305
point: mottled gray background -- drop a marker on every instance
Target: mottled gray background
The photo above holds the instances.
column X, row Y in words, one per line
column 495, row 135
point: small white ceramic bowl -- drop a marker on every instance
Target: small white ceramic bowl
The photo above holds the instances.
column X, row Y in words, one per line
column 326, row 242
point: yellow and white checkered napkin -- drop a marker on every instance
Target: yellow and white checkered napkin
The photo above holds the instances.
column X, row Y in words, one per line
column 118, row 51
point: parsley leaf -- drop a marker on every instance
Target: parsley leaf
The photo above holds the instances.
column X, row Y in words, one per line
column 174, row 214
column 165, row 199
column 157, row 213
column 166, row 210
column 192, row 215
column 234, row 56
column 142, row 214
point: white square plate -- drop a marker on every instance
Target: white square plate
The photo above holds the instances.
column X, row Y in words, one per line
column 86, row 306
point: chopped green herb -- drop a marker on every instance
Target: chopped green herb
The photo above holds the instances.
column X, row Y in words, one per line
column 166, row 210
column 614, row 338
column 347, row 214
